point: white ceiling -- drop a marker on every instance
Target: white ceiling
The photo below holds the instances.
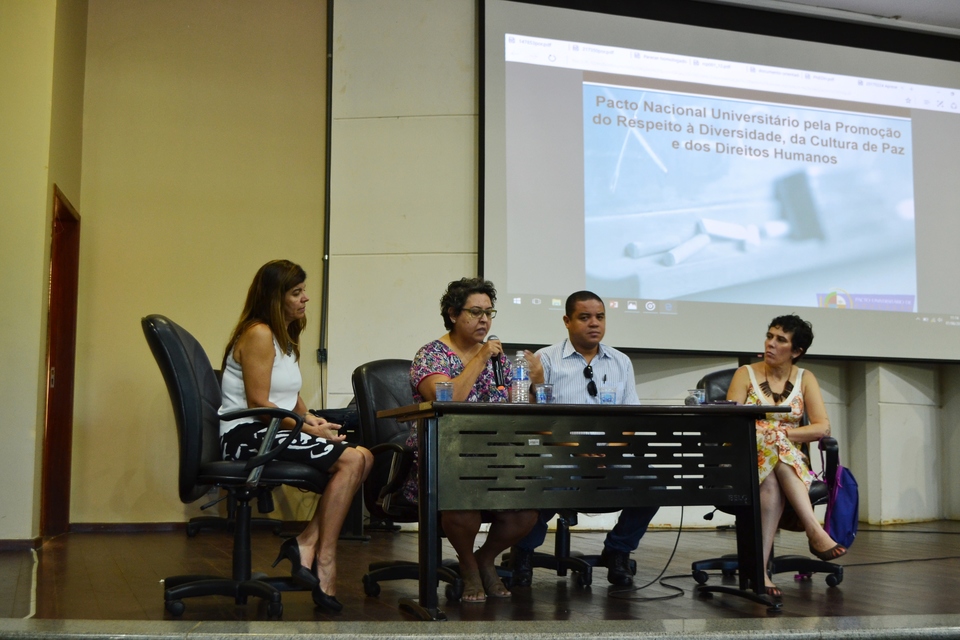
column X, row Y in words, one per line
column 939, row 16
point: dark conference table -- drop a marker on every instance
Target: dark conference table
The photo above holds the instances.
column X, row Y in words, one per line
column 586, row 457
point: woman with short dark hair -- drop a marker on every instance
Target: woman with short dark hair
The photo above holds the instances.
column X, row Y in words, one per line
column 462, row 356
column 783, row 468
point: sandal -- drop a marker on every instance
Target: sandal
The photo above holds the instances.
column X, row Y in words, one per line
column 493, row 585
column 774, row 592
column 834, row 552
column 473, row 587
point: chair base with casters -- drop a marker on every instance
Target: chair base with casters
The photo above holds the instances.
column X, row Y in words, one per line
column 242, row 584
column 728, row 566
column 386, row 570
column 802, row 566
column 563, row 559
column 390, row 501
column 402, row 570
column 448, row 572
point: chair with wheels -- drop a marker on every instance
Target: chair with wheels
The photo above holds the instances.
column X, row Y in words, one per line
column 715, row 387
column 195, row 395
column 381, row 385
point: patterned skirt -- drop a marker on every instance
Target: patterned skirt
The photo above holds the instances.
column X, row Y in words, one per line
column 243, row 442
column 772, row 446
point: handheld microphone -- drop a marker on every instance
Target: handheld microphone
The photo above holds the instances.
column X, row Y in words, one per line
column 497, row 364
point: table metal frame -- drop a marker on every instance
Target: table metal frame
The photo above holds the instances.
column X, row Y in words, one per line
column 489, row 456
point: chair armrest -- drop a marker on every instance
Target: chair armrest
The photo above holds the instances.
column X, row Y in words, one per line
column 389, row 447
column 831, row 452
column 399, row 466
column 266, row 454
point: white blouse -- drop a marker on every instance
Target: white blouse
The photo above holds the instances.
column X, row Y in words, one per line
column 285, row 383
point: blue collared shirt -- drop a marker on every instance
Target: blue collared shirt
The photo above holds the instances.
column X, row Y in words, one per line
column 563, row 368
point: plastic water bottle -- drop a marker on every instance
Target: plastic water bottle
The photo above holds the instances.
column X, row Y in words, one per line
column 520, row 388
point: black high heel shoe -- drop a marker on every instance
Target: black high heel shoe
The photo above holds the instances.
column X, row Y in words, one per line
column 324, row 601
column 290, row 550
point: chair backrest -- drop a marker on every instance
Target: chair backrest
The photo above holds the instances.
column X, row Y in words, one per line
column 380, row 385
column 195, row 395
column 715, row 384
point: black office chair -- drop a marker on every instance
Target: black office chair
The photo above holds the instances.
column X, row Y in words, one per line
column 381, row 385
column 715, row 387
column 195, row 395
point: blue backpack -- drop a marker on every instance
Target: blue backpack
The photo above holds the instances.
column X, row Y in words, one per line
column 843, row 508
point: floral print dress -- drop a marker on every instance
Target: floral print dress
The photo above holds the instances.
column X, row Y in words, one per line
column 437, row 358
column 772, row 441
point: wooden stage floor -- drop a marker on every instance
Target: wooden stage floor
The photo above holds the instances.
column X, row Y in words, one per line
column 897, row 570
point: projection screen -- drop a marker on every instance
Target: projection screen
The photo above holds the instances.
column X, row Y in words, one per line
column 703, row 181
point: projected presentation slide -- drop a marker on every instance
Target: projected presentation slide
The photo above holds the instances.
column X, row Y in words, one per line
column 696, row 196
column 703, row 181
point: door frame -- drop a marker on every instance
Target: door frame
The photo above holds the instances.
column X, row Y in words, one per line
column 61, row 360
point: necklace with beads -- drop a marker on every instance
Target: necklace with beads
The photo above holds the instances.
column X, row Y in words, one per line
column 777, row 397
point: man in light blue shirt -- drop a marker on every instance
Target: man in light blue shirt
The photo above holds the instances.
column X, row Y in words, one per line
column 579, row 367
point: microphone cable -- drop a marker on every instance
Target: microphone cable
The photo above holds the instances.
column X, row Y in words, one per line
column 629, row 593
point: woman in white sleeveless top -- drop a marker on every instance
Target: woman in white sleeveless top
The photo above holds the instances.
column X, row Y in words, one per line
column 784, row 470
column 261, row 369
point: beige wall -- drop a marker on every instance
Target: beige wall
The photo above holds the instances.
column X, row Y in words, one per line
column 203, row 157
column 66, row 126
column 66, row 134
column 403, row 175
column 41, row 70
column 26, row 62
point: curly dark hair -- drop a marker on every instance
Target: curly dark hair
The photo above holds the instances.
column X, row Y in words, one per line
column 801, row 330
column 457, row 293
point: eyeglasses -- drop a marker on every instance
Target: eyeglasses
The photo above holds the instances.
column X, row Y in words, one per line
column 591, row 385
column 476, row 312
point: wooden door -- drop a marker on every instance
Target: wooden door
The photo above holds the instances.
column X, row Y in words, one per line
column 61, row 351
